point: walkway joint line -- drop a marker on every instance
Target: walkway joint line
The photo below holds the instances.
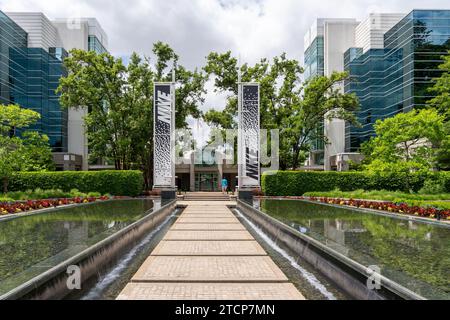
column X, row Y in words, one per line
column 209, row 253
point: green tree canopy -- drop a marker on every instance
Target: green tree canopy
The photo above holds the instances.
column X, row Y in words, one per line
column 441, row 89
column 297, row 110
column 442, row 103
column 28, row 151
column 407, row 142
column 119, row 99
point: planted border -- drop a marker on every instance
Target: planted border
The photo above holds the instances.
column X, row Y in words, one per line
column 117, row 183
column 297, row 183
column 7, row 208
column 387, row 206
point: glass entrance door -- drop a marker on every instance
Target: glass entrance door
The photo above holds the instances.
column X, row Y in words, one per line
column 206, row 182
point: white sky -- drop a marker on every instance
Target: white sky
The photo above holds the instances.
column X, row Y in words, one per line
column 251, row 28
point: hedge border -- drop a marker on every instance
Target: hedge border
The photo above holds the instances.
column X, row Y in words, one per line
column 297, row 183
column 116, row 183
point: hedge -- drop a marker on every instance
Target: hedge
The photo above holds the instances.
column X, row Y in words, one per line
column 296, row 183
column 117, row 183
column 446, row 178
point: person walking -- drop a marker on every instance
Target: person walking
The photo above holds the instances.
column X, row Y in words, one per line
column 224, row 185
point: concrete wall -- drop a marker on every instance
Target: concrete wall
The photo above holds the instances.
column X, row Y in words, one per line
column 335, row 133
column 338, row 37
column 370, row 33
column 74, row 35
column 41, row 32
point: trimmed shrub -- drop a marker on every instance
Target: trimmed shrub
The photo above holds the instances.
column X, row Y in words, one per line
column 117, row 183
column 445, row 176
column 297, row 183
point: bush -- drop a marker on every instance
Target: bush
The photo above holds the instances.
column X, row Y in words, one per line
column 445, row 176
column 393, row 196
column 296, row 183
column 117, row 183
column 433, row 186
column 39, row 194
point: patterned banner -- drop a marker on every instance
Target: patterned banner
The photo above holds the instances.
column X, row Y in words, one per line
column 164, row 131
column 249, row 143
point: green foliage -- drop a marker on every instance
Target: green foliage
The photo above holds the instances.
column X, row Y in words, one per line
column 118, row 183
column 442, row 103
column 443, row 153
column 39, row 194
column 28, row 152
column 441, row 89
column 120, row 102
column 406, row 142
column 384, row 195
column 412, row 199
column 441, row 205
column 436, row 185
column 13, row 117
column 297, row 183
column 285, row 104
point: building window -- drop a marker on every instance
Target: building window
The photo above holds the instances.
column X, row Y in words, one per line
column 95, row 45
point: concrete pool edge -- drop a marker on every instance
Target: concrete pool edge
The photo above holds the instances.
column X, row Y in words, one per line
column 52, row 283
column 408, row 217
column 347, row 274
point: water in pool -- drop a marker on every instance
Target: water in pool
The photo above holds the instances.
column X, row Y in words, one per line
column 413, row 254
column 30, row 245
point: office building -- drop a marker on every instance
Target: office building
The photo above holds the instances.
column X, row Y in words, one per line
column 391, row 58
column 325, row 44
column 395, row 75
column 32, row 49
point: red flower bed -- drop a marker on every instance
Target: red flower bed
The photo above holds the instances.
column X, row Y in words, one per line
column 24, row 206
column 401, row 208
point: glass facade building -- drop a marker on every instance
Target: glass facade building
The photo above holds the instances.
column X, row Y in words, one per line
column 29, row 77
column 397, row 78
column 13, row 42
column 314, row 59
column 95, row 45
column 314, row 67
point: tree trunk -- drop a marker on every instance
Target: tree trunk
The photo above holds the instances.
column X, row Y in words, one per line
column 295, row 160
column 5, row 185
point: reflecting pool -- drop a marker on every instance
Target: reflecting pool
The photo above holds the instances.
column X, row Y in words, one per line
column 31, row 245
column 413, row 254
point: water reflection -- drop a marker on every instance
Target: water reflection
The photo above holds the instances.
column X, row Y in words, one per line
column 414, row 254
column 30, row 245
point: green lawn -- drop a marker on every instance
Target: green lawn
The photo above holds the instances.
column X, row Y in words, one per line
column 413, row 199
column 39, row 194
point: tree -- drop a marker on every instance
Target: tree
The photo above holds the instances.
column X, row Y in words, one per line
column 322, row 98
column 298, row 111
column 442, row 103
column 28, row 151
column 407, row 142
column 441, row 89
column 119, row 99
column 443, row 153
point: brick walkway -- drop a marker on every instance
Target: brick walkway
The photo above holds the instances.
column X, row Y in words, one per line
column 209, row 255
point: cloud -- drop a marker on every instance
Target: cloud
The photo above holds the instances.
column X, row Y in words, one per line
column 252, row 29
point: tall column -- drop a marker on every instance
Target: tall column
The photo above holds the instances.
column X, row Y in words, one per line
column 164, row 139
column 249, row 139
column 192, row 172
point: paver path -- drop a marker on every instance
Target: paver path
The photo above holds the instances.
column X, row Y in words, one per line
column 209, row 255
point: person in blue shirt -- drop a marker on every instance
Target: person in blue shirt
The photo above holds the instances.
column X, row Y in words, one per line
column 224, row 185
